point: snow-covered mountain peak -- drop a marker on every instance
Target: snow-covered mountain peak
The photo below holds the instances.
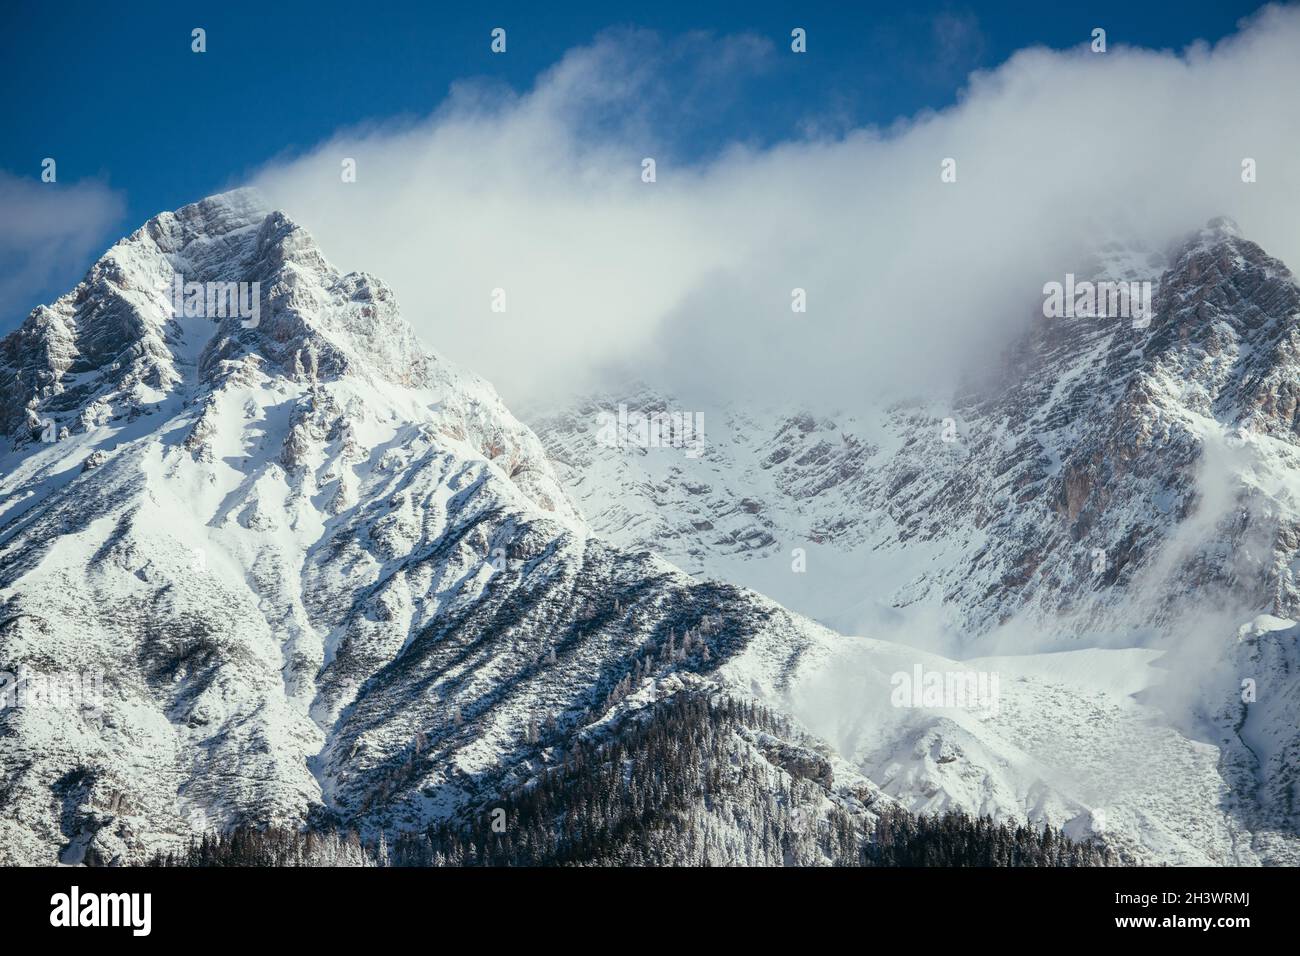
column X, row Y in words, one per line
column 326, row 573
column 211, row 218
column 1041, row 488
column 200, row 305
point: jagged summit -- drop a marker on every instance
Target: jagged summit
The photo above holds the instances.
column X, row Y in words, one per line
column 117, row 346
column 112, row 346
column 216, row 215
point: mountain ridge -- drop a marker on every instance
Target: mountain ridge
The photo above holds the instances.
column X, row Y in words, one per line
column 325, row 581
column 332, row 581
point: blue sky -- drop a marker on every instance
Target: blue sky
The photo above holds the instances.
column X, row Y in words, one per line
column 114, row 93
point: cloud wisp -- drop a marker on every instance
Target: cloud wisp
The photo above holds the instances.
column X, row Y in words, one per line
column 47, row 234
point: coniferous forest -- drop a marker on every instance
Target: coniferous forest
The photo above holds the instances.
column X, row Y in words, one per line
column 665, row 791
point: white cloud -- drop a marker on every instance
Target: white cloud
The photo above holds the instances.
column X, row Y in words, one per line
column 689, row 279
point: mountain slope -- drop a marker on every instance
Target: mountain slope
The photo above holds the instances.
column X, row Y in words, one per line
column 1127, row 490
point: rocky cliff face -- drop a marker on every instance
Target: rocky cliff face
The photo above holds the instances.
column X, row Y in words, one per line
column 1063, row 489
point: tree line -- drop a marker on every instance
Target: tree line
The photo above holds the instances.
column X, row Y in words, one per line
column 666, row 790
